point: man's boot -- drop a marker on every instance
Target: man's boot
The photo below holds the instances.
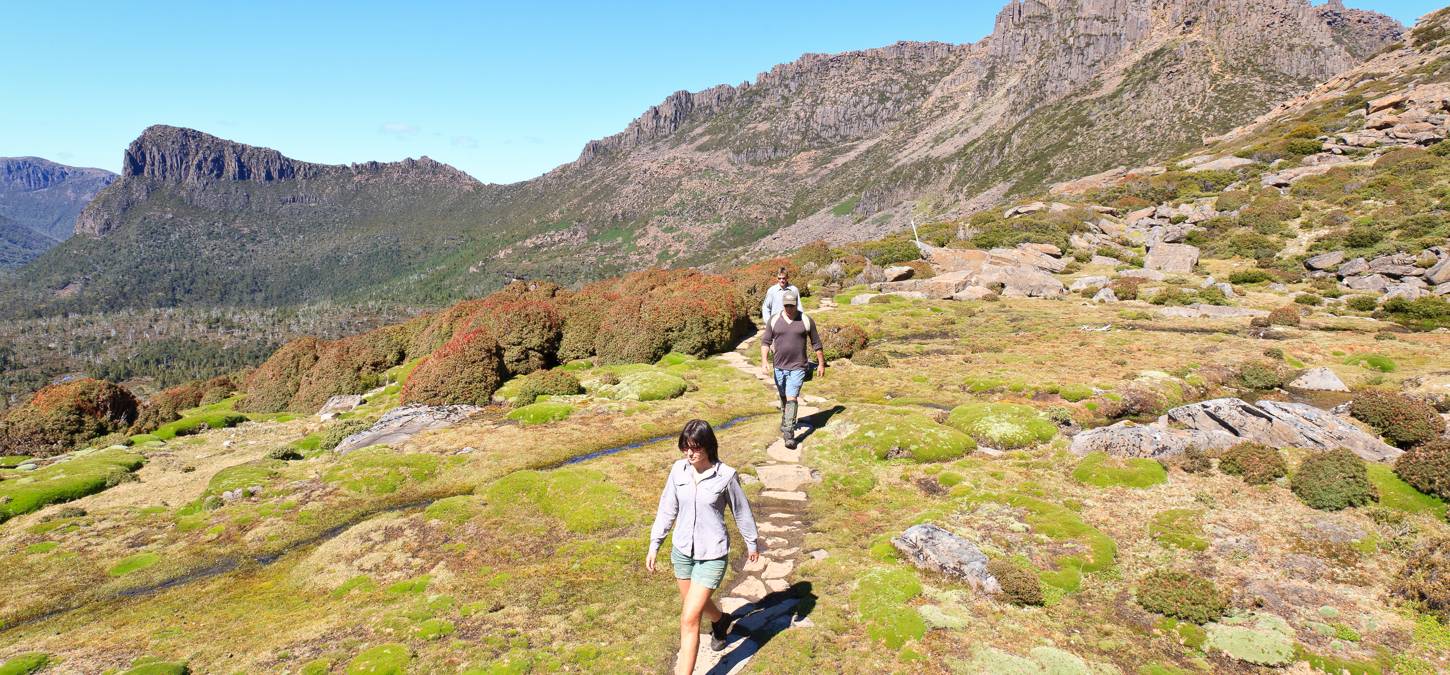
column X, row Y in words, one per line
column 787, row 423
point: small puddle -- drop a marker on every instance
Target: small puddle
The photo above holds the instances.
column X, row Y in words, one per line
column 639, row 444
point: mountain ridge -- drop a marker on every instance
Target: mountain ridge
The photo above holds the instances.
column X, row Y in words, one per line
column 840, row 147
column 40, row 201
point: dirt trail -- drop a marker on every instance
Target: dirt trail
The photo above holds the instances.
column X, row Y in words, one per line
column 762, row 595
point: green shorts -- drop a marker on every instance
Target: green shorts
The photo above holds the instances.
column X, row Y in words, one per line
column 708, row 573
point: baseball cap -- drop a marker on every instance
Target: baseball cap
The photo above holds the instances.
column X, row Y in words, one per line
column 790, row 298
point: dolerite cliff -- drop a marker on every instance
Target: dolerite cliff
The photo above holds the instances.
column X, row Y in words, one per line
column 199, row 220
column 836, row 146
column 39, row 202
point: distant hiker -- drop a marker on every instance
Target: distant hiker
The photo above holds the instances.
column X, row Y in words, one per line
column 788, row 331
column 696, row 492
column 771, row 305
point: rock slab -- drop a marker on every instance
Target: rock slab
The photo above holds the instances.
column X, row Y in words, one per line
column 931, row 547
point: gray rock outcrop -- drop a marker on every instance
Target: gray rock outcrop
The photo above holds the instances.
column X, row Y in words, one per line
column 400, row 424
column 933, row 548
column 1319, row 379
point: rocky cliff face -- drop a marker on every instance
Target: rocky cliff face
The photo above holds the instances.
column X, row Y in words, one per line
column 43, row 198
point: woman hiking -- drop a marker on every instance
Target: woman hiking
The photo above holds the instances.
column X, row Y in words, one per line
column 696, row 492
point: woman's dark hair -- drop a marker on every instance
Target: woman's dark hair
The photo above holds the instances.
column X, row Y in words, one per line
column 697, row 433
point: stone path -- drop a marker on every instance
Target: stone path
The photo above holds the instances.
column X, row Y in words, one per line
column 757, row 597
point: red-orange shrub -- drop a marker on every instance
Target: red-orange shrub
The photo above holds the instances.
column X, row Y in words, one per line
column 61, row 416
column 273, row 384
column 465, row 370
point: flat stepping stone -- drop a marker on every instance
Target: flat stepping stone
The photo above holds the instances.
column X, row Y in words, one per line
column 784, row 495
column 778, row 569
column 778, row 452
column 775, row 542
column 780, row 514
column 777, row 585
column 812, row 399
column 751, row 589
column 819, row 554
column 755, row 567
column 771, row 528
column 782, row 553
column 805, row 411
column 787, row 477
column 730, row 603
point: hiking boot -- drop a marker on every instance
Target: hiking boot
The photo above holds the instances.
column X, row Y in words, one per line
column 718, row 631
column 790, row 443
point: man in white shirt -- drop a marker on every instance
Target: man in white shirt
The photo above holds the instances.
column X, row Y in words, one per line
column 772, row 304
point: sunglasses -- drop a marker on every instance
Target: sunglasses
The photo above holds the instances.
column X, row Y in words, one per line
column 691, row 448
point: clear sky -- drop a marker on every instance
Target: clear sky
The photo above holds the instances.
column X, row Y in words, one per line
column 502, row 91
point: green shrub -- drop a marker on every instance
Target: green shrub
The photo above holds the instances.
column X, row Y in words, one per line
column 1308, row 299
column 547, row 383
column 1287, row 315
column 1249, row 276
column 335, row 434
column 1267, row 214
column 1402, row 420
column 1427, row 468
column 465, row 370
column 1126, row 288
column 1100, row 470
column 528, row 332
column 1020, row 586
column 1232, row 200
column 1195, row 460
column 61, row 416
column 1425, row 579
column 388, row 659
column 890, row 251
column 1303, row 146
column 1002, row 425
column 1262, row 375
column 24, row 664
column 842, row 340
column 1333, row 480
column 1257, row 464
column 1181, row 595
column 1362, row 303
column 1425, row 313
column 871, row 358
column 66, row 480
column 351, row 365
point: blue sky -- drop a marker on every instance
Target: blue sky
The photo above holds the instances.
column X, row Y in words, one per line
column 504, row 92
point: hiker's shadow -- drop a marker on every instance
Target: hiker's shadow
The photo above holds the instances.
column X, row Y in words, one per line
column 808, row 425
column 761, row 621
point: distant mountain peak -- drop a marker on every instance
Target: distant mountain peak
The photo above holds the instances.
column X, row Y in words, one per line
column 187, row 156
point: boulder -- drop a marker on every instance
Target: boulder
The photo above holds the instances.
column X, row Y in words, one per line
column 933, row 548
column 1442, row 289
column 1048, row 249
column 1319, row 379
column 339, row 404
column 1172, row 258
column 1023, row 282
column 1088, row 282
column 953, row 259
column 1104, row 260
column 1016, row 257
column 1222, row 164
column 1168, row 234
column 1105, row 294
column 1128, row 439
column 1024, row 209
column 939, row 287
column 1325, row 261
column 1373, row 282
column 1280, row 425
column 1440, row 273
column 1406, row 291
column 972, row 293
column 1140, row 273
column 897, row 273
column 400, row 424
column 1354, row 267
column 863, row 298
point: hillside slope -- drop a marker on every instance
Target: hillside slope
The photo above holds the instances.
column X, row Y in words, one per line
column 845, row 146
column 44, row 198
